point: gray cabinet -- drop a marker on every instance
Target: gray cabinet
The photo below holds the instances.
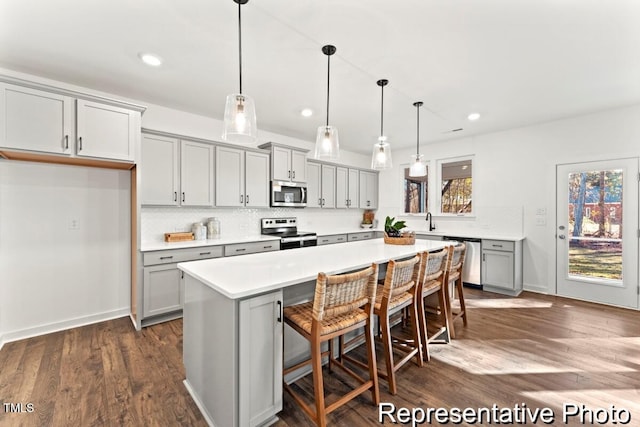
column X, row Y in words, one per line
column 321, row 185
column 162, row 286
column 287, row 163
column 160, row 171
column 196, row 173
column 330, row 240
column 428, row 237
column 367, row 235
column 45, row 121
column 368, row 190
column 502, row 266
column 347, row 187
column 251, row 247
column 242, row 178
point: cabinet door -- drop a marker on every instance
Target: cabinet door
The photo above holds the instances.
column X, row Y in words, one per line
column 159, row 171
column 256, row 180
column 106, row 131
column 260, row 354
column 342, row 187
column 281, row 164
column 35, row 120
column 328, row 186
column 298, row 166
column 368, row 190
column 162, row 290
column 196, row 173
column 497, row 269
column 229, row 177
column 353, row 188
column 314, row 180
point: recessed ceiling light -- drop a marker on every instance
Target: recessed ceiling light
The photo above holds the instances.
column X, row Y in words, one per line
column 307, row 112
column 473, row 116
column 150, row 59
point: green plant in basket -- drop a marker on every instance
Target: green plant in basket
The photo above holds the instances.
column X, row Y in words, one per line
column 392, row 227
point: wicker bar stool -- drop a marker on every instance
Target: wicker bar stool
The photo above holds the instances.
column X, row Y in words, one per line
column 433, row 276
column 341, row 304
column 454, row 279
column 398, row 292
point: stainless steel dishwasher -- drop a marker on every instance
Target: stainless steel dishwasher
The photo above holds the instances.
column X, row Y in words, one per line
column 472, row 260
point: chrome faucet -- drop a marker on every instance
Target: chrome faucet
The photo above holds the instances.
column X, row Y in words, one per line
column 431, row 225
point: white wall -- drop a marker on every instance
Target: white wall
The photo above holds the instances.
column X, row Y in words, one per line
column 514, row 175
column 54, row 277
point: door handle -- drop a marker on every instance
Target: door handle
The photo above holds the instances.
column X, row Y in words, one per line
column 562, row 237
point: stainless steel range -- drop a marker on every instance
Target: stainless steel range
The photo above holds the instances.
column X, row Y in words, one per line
column 287, row 230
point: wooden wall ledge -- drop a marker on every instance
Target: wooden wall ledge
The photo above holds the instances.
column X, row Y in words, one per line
column 64, row 160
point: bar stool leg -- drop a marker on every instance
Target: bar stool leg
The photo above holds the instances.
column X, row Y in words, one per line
column 373, row 368
column 388, row 352
column 415, row 329
column 318, row 386
column 463, row 307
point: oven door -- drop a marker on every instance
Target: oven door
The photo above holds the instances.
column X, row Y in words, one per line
column 288, row 194
column 298, row 242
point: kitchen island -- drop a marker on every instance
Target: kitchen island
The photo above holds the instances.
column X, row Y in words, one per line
column 233, row 328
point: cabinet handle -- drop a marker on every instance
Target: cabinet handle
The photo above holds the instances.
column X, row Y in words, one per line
column 66, row 142
column 247, row 199
column 280, row 311
column 294, row 174
column 80, row 143
column 322, row 202
column 340, row 239
column 484, row 257
column 182, row 274
column 205, row 253
column 166, row 257
column 289, row 174
column 183, row 196
column 496, row 246
column 241, row 249
column 175, row 196
column 241, row 198
column 267, row 247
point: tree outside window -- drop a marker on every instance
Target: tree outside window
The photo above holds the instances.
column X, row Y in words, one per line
column 416, row 193
column 457, row 187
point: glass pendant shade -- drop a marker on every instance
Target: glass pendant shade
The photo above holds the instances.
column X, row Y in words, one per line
column 240, row 119
column 327, row 144
column 381, row 157
column 417, row 168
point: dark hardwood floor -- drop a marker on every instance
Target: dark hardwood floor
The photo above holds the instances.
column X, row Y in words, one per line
column 539, row 350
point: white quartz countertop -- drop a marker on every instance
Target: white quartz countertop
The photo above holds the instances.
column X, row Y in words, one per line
column 472, row 234
column 222, row 240
column 248, row 275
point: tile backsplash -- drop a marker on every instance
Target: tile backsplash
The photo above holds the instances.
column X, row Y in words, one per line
column 155, row 221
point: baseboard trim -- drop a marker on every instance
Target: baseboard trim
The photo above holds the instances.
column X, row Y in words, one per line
column 63, row 325
column 198, row 402
column 537, row 289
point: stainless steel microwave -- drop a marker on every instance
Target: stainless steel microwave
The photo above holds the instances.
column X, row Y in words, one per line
column 289, row 194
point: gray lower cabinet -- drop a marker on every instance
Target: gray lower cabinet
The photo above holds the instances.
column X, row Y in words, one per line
column 236, row 379
column 428, row 237
column 162, row 286
column 330, row 240
column 251, row 248
column 352, row 237
column 502, row 266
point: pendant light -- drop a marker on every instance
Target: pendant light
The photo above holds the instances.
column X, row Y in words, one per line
column 418, row 168
column 381, row 158
column 327, row 145
column 240, row 110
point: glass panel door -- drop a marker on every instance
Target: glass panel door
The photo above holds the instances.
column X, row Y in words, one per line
column 597, row 240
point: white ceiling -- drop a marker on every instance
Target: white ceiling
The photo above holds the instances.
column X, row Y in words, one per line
column 515, row 62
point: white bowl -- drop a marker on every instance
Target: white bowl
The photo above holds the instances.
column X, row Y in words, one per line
column 366, row 225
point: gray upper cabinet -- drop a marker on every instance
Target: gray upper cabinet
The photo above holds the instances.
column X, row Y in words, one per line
column 347, row 187
column 36, row 120
column 287, row 163
column 242, row 178
column 368, row 190
column 321, row 185
column 196, row 173
column 160, row 171
column 105, row 131
column 45, row 121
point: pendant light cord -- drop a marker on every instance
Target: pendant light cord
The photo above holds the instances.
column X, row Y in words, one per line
column 240, row 43
column 418, row 132
column 381, row 113
column 328, row 76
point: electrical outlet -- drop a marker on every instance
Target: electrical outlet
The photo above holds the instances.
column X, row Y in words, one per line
column 541, row 211
column 74, row 224
column 541, row 220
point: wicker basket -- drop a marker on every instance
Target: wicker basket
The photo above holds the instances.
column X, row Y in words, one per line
column 404, row 240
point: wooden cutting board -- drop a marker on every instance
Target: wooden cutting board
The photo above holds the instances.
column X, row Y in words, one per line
column 178, row 237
